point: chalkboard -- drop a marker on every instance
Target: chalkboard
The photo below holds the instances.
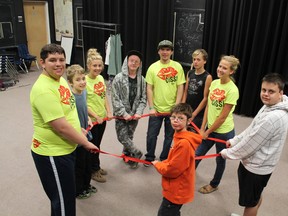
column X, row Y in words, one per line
column 188, row 36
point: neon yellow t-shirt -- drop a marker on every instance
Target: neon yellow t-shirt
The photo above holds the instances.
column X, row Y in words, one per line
column 165, row 79
column 220, row 94
column 51, row 100
column 96, row 95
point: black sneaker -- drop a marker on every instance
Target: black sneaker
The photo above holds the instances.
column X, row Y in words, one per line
column 133, row 164
column 84, row 195
column 92, row 189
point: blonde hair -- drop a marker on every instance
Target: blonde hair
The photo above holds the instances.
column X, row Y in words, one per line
column 73, row 70
column 200, row 51
column 234, row 62
column 93, row 54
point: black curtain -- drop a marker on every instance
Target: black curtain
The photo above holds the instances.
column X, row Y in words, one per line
column 256, row 32
column 142, row 25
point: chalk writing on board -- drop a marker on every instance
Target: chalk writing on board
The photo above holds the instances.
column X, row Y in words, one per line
column 188, row 33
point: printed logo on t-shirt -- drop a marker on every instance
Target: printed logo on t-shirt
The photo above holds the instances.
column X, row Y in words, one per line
column 99, row 89
column 168, row 74
column 66, row 97
column 194, row 86
column 36, row 143
column 217, row 97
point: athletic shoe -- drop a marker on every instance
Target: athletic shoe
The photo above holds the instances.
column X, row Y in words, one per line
column 92, row 189
column 98, row 177
column 84, row 195
column 103, row 172
column 133, row 164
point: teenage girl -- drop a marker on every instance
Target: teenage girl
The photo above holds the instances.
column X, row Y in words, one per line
column 98, row 107
column 218, row 119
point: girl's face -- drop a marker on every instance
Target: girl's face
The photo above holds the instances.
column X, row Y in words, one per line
column 95, row 67
column 179, row 122
column 224, row 70
column 198, row 61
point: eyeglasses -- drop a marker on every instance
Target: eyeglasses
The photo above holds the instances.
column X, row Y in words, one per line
column 174, row 118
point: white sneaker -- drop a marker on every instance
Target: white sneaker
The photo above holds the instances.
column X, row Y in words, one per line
column 233, row 214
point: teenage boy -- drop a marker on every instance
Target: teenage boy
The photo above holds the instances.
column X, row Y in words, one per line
column 198, row 81
column 165, row 79
column 129, row 99
column 56, row 131
column 260, row 145
column 178, row 170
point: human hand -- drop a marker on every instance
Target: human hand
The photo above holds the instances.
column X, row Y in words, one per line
column 152, row 112
column 109, row 116
column 127, row 117
column 228, row 144
column 99, row 120
column 154, row 162
column 137, row 116
column 223, row 153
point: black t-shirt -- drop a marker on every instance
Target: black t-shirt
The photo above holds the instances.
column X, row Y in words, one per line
column 132, row 90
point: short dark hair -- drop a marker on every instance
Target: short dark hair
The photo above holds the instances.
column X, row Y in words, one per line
column 276, row 79
column 51, row 49
column 182, row 108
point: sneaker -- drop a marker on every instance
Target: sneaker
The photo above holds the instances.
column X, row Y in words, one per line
column 98, row 177
column 233, row 214
column 84, row 195
column 92, row 189
column 147, row 165
column 133, row 164
column 103, row 172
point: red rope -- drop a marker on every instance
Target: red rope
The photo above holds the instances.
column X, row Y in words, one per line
column 127, row 158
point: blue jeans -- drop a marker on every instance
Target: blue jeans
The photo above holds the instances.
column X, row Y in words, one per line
column 206, row 145
column 154, row 126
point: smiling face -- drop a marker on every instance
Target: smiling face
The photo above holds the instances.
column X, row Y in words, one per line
column 165, row 54
column 270, row 93
column 224, row 71
column 133, row 63
column 95, row 68
column 78, row 83
column 54, row 65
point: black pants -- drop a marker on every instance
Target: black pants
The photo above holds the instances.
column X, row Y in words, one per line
column 82, row 169
column 97, row 133
column 168, row 208
column 57, row 174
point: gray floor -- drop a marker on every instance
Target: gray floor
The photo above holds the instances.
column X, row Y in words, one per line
column 127, row 192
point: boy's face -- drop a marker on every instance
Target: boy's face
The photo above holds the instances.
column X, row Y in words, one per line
column 54, row 65
column 133, row 62
column 165, row 53
column 198, row 61
column 270, row 94
column 179, row 122
column 79, row 83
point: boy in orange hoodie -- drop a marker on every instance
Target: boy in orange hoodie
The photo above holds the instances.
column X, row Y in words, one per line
column 178, row 170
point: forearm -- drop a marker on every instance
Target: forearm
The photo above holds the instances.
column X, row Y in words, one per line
column 180, row 90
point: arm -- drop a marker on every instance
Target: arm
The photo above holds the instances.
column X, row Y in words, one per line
column 180, row 90
column 205, row 97
column 93, row 114
column 150, row 98
column 108, row 110
column 117, row 103
column 219, row 121
column 64, row 129
column 185, row 89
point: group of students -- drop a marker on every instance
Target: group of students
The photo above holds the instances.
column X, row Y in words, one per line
column 170, row 98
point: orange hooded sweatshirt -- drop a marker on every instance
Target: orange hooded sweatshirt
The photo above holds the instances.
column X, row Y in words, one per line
column 178, row 170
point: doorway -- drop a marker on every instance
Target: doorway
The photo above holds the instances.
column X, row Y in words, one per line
column 37, row 26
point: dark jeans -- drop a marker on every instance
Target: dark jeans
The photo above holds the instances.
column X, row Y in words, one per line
column 97, row 133
column 57, row 175
column 168, row 208
column 206, row 145
column 82, row 169
column 154, row 126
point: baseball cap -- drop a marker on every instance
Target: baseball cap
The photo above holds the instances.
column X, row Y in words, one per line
column 165, row 43
column 134, row 52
